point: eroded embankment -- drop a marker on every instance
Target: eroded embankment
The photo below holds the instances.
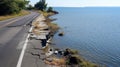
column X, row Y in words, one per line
column 44, row 30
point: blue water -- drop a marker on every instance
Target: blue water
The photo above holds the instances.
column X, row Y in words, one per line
column 95, row 32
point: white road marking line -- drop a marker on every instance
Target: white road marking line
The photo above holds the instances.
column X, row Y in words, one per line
column 23, row 50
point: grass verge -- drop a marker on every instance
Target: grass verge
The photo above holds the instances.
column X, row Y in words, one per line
column 23, row 12
column 46, row 14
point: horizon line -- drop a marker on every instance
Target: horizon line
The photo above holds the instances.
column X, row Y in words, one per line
column 83, row 7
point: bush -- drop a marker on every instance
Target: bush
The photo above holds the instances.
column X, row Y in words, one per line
column 11, row 6
column 50, row 9
column 41, row 5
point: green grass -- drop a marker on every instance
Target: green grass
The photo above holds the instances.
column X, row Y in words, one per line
column 23, row 12
column 78, row 60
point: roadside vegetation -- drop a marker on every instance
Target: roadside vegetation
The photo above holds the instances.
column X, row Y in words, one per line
column 23, row 12
column 12, row 8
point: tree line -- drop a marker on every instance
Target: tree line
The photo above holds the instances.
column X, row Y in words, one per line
column 42, row 5
column 12, row 6
column 15, row 6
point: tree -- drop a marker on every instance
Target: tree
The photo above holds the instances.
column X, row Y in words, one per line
column 30, row 7
column 50, row 9
column 12, row 6
column 41, row 5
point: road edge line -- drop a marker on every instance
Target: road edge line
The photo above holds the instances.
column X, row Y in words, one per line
column 23, row 50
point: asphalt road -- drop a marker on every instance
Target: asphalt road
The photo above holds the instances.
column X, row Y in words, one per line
column 12, row 36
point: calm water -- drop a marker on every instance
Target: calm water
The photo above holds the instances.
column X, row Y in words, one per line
column 95, row 32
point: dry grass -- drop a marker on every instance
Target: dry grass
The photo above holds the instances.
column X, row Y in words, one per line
column 45, row 50
column 46, row 14
column 57, row 62
column 23, row 12
column 75, row 59
column 53, row 27
column 87, row 64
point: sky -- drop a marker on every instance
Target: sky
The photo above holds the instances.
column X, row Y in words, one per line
column 80, row 3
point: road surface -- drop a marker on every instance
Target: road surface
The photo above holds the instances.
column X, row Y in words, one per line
column 12, row 36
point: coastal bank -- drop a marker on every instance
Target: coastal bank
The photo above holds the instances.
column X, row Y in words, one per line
column 41, row 52
column 72, row 58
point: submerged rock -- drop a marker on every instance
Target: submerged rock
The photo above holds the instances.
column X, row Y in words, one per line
column 61, row 34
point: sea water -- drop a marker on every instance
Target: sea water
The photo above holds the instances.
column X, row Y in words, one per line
column 94, row 31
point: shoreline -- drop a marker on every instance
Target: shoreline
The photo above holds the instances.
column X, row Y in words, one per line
column 85, row 62
column 44, row 30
